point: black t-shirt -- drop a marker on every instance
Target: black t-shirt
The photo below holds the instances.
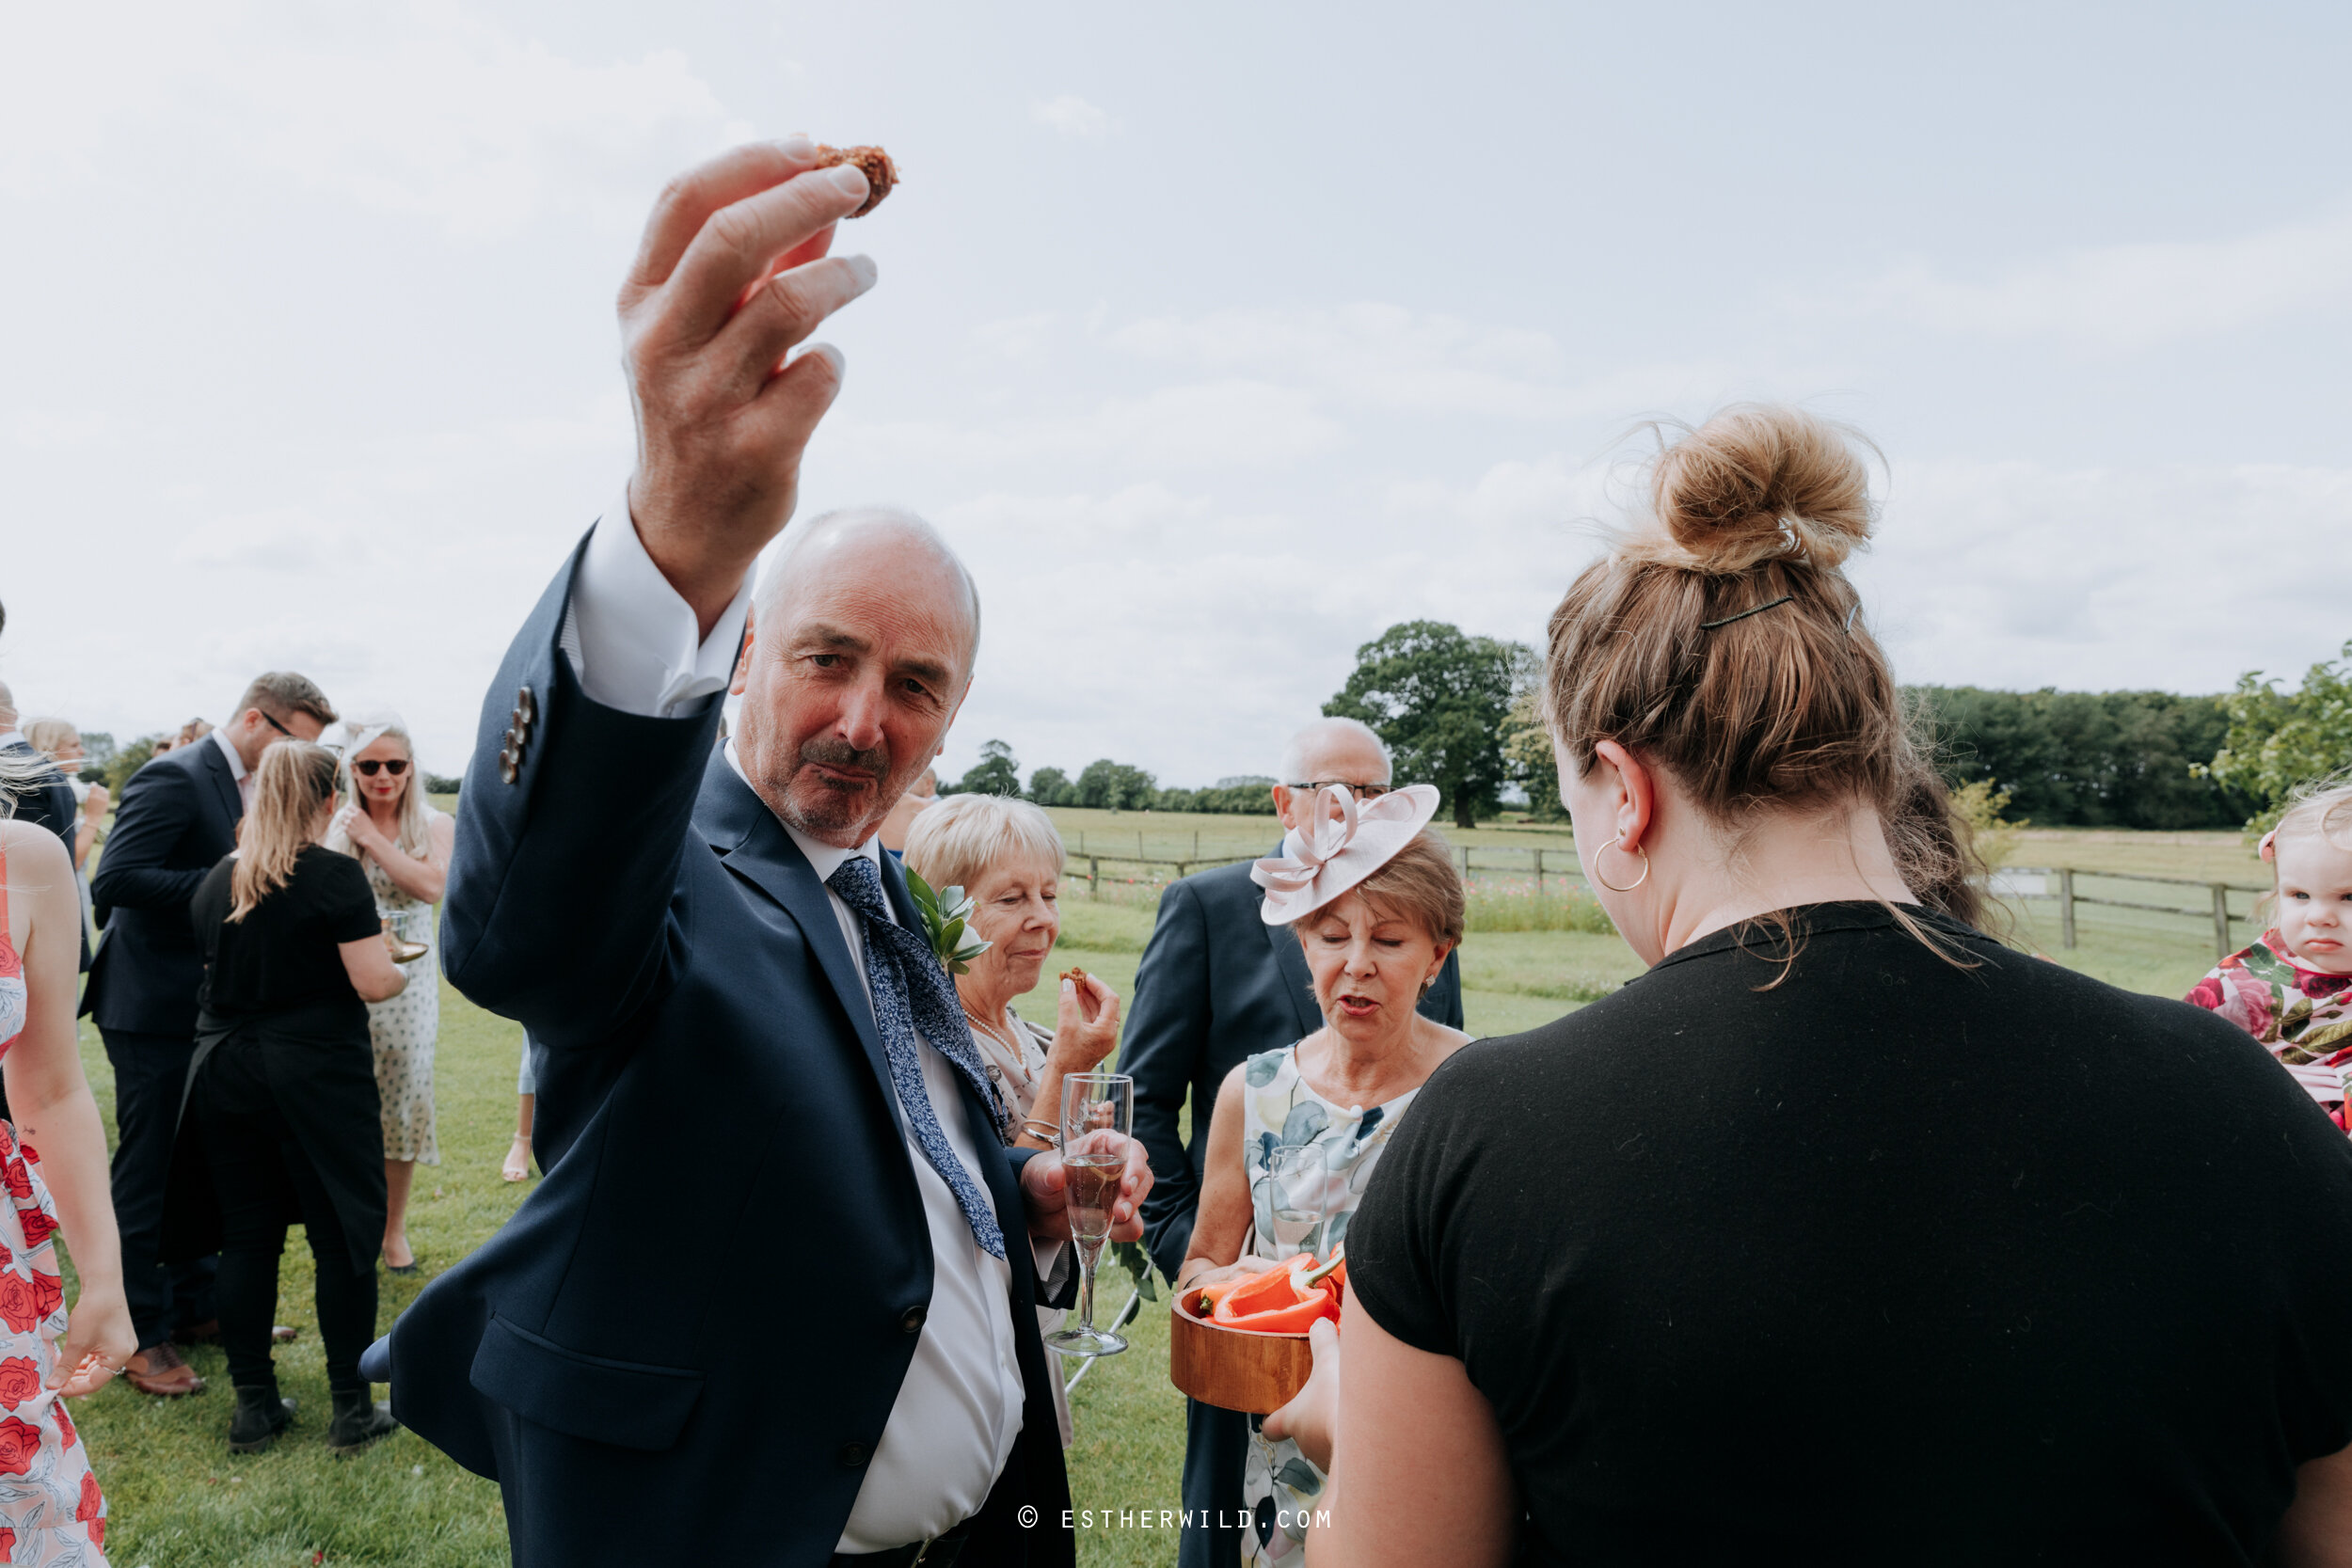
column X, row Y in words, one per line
column 283, row 954
column 1893, row 1262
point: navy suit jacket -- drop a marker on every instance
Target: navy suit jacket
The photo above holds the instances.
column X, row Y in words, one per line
column 50, row 802
column 696, row 1326
column 177, row 817
column 1217, row 985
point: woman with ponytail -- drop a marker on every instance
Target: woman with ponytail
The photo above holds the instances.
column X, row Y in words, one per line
column 283, row 1088
column 1844, row 1234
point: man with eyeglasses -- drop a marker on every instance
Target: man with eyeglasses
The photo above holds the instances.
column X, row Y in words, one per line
column 179, row 816
column 1216, row 984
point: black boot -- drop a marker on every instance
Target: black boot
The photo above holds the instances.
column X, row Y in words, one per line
column 261, row 1414
column 358, row 1420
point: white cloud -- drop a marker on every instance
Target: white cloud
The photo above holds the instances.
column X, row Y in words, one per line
column 2134, row 295
column 1072, row 116
column 2178, row 577
column 421, row 108
column 1217, row 425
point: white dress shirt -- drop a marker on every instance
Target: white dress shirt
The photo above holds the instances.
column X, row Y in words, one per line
column 237, row 769
column 632, row 642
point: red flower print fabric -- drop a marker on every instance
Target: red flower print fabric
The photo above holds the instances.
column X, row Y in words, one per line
column 53, row 1512
column 2300, row 1016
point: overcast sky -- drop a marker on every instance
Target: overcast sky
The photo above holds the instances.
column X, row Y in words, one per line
column 1218, row 337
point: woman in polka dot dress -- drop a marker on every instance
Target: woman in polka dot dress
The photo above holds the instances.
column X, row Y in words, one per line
column 404, row 844
column 52, row 1513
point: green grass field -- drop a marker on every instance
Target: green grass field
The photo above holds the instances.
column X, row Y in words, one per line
column 180, row 1500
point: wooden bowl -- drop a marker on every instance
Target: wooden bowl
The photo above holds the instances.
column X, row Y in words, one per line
column 1236, row 1369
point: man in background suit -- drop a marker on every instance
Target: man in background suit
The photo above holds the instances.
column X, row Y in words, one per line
column 179, row 816
column 1217, row 985
column 774, row 1300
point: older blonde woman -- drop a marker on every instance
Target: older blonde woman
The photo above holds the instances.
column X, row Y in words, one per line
column 1371, row 898
column 403, row 845
column 1006, row 855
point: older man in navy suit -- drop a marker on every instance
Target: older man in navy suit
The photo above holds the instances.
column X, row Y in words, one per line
column 179, row 816
column 774, row 1300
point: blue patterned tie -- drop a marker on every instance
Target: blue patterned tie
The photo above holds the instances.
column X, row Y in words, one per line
column 912, row 990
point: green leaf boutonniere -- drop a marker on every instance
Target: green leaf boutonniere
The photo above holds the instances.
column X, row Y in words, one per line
column 944, row 916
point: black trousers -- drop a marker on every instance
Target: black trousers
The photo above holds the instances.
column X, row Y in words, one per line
column 262, row 1176
column 1216, row 1445
column 150, row 1073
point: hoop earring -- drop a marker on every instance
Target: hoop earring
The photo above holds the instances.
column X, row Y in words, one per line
column 1605, row 881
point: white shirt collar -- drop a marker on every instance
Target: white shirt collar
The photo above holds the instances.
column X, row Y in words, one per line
column 823, row 858
column 236, row 763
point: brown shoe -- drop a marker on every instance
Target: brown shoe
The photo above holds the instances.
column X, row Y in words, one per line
column 283, row 1333
column 158, row 1370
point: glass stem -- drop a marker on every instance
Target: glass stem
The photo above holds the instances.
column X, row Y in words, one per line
column 1086, row 1292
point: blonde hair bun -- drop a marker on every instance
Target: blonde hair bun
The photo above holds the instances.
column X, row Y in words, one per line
column 1761, row 482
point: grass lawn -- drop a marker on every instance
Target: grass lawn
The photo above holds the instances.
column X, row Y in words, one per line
column 180, row 1500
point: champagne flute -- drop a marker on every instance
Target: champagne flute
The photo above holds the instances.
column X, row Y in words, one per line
column 1097, row 1125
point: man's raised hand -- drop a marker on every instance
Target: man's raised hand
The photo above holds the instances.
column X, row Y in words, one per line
column 731, row 277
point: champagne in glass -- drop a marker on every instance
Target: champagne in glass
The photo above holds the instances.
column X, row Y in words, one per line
column 1097, row 1128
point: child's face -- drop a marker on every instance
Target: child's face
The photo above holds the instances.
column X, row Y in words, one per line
column 2315, row 901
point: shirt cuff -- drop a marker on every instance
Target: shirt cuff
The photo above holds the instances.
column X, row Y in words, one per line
column 630, row 636
column 1049, row 1258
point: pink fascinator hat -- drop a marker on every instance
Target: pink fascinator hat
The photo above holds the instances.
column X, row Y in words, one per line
column 1332, row 854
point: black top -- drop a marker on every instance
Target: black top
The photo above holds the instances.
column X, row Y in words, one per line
column 1893, row 1262
column 283, row 954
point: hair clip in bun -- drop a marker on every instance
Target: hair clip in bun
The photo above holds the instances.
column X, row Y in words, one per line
column 1752, row 610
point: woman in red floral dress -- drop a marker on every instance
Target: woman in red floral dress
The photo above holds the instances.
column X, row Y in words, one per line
column 52, row 1514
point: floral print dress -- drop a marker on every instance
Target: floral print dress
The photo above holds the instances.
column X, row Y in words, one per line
column 2301, row 1015
column 1308, row 1161
column 405, row 1028
column 52, row 1514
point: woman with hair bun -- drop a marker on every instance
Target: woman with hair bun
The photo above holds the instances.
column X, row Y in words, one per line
column 1844, row 1234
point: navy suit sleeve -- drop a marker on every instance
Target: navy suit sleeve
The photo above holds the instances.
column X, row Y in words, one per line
column 1167, row 1039
column 565, row 907
column 156, row 807
column 1445, row 997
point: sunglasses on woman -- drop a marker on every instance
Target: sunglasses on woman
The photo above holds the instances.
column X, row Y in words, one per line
column 394, row 766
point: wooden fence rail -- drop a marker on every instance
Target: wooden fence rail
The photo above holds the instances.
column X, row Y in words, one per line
column 2006, row 883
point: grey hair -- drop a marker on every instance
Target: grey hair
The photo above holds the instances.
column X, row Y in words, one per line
column 1312, row 736
column 894, row 519
column 956, row 841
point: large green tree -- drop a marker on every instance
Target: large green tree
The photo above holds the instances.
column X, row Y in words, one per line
column 1439, row 698
column 2089, row 759
column 995, row 773
column 2279, row 739
column 1111, row 785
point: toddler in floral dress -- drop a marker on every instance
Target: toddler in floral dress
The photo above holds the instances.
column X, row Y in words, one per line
column 2292, row 990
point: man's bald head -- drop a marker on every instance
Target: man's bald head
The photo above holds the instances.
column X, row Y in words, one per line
column 887, row 544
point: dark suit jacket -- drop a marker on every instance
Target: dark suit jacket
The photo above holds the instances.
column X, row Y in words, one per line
column 1216, row 984
column 49, row 801
column 698, row 1324
column 178, row 816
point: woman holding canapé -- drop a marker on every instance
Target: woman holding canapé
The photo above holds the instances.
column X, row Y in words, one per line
column 1007, row 857
column 1371, row 896
column 403, row 845
column 1844, row 1234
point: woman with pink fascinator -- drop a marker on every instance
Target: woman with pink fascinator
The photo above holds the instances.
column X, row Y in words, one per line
column 1370, row 894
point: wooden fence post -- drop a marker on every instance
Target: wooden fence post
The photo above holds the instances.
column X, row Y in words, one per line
column 2221, row 920
column 1540, row 873
column 2066, row 904
column 1094, row 875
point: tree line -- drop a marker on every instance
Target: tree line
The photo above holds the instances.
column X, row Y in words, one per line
column 1459, row 712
